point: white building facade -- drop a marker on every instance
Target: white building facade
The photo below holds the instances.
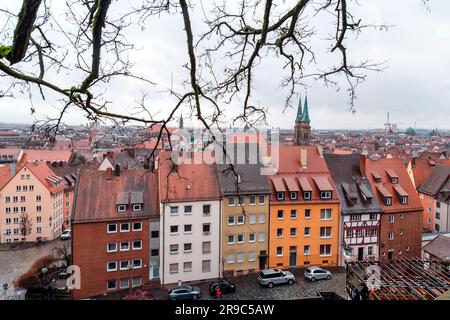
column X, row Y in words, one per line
column 190, row 241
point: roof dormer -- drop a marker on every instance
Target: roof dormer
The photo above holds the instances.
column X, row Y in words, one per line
column 392, row 176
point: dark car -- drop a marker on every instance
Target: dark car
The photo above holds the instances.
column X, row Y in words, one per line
column 224, row 285
column 184, row 293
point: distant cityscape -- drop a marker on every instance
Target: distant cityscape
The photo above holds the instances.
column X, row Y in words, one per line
column 136, row 219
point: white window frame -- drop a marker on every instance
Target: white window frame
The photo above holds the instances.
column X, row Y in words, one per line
column 326, row 254
column 252, row 219
column 280, row 254
column 124, row 268
column 138, row 248
column 120, row 246
column 184, row 248
column 137, row 205
column 135, row 229
column 237, row 238
column 259, row 236
column 243, row 219
column 231, row 223
column 234, row 201
column 250, row 200
column 326, row 194
column 263, row 218
column 280, row 196
column 121, row 208
column 230, row 258
column 295, row 195
column 107, row 247
column 111, row 224
column 259, row 200
column 254, row 237
column 252, row 256
column 136, row 267
column 123, row 224
column 111, row 270
column 174, row 233
column 187, row 232
column 228, row 239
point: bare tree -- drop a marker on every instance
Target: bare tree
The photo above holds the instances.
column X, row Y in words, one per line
column 25, row 225
column 222, row 55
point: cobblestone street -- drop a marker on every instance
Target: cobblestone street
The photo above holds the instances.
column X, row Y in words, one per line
column 249, row 289
column 13, row 263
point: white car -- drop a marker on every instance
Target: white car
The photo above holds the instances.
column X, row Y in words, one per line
column 65, row 235
column 316, row 273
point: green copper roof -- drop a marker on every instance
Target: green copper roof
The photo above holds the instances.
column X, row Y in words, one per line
column 299, row 110
column 305, row 115
column 410, row 130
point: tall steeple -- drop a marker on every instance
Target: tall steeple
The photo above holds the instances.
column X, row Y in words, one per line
column 305, row 115
column 181, row 121
column 302, row 130
column 299, row 110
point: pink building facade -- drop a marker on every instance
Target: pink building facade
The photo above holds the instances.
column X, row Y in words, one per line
column 36, row 195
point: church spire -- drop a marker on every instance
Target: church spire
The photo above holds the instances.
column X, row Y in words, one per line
column 305, row 114
column 299, row 110
column 181, row 121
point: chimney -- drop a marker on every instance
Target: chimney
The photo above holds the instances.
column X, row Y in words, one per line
column 13, row 169
column 320, row 150
column 303, row 158
column 108, row 174
column 117, row 170
column 362, row 164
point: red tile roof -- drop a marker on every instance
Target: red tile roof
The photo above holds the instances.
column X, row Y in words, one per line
column 385, row 186
column 190, row 182
column 48, row 178
column 97, row 197
column 47, row 155
column 310, row 178
column 5, row 175
column 422, row 169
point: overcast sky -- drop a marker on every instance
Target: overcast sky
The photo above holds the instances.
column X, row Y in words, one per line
column 414, row 87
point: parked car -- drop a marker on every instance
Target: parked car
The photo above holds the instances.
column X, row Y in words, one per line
column 224, row 285
column 316, row 273
column 271, row 277
column 65, row 235
column 184, row 292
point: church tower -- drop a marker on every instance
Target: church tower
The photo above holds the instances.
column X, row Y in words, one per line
column 302, row 127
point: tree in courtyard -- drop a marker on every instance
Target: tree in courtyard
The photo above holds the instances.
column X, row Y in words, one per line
column 25, row 226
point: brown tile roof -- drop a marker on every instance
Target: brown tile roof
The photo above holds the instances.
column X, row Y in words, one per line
column 96, row 197
column 439, row 247
column 422, row 168
column 386, row 187
column 438, row 177
column 187, row 182
column 354, row 190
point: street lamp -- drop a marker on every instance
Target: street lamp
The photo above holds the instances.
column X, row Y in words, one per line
column 223, row 267
column 44, row 272
column 5, row 288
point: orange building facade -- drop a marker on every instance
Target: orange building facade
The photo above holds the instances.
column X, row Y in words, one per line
column 304, row 211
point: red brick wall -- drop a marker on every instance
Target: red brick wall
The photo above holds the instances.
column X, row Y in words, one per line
column 89, row 242
column 411, row 225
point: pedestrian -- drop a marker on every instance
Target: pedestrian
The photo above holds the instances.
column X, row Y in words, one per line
column 218, row 293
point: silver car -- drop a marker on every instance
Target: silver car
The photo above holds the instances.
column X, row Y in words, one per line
column 185, row 292
column 271, row 277
column 316, row 273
